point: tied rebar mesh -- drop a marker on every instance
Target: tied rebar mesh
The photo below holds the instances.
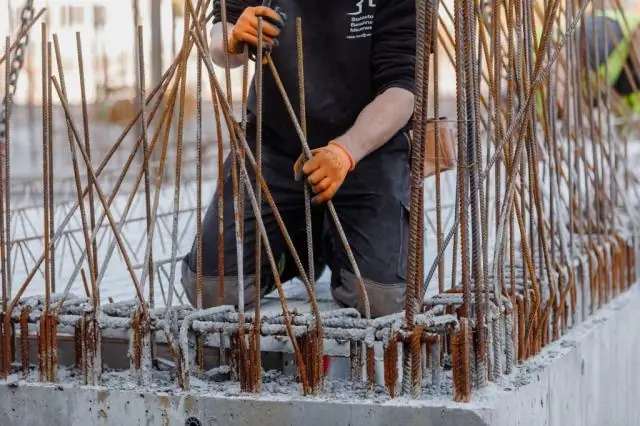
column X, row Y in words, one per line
column 540, row 208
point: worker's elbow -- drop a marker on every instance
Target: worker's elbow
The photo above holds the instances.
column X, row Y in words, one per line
column 402, row 98
column 409, row 100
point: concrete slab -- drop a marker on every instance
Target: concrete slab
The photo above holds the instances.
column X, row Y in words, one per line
column 589, row 377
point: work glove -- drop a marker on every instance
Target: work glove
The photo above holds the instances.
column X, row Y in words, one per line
column 246, row 29
column 326, row 170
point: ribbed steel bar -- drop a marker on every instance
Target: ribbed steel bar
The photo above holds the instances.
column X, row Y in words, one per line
column 145, row 152
column 182, row 73
column 5, row 147
column 76, row 173
column 198, row 237
column 225, row 43
column 87, row 143
column 319, row 349
column 5, row 238
column 50, row 171
column 438, row 150
column 417, row 168
column 470, row 68
column 259, row 81
column 480, row 13
column 415, row 255
column 46, row 74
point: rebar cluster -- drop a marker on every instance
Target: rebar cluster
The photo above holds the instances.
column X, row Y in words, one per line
column 541, row 230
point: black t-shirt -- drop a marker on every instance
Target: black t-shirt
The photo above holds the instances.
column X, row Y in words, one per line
column 353, row 51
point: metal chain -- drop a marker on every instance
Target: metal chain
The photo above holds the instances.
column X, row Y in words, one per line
column 17, row 62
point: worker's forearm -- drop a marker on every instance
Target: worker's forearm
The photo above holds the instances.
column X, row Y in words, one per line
column 378, row 122
column 217, row 47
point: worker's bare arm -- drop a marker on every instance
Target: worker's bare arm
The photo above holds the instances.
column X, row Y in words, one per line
column 217, row 47
column 393, row 48
column 378, row 122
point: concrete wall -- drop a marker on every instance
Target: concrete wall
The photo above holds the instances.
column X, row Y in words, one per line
column 589, row 378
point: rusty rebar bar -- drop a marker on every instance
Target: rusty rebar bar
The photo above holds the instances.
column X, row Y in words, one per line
column 5, row 238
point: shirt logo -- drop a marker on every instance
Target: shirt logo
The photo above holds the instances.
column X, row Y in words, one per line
column 359, row 5
column 361, row 20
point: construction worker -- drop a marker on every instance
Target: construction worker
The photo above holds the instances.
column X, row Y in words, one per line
column 610, row 43
column 359, row 70
column 613, row 40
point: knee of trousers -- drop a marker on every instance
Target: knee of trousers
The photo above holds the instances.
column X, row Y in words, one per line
column 384, row 299
column 211, row 289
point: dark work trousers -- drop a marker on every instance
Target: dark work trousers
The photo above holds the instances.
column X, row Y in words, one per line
column 372, row 205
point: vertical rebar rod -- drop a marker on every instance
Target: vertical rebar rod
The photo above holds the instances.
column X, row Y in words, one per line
column 198, row 242
column 471, row 66
column 438, row 149
column 225, row 43
column 317, row 363
column 87, row 144
column 7, row 174
column 142, row 82
column 507, row 154
column 5, row 239
column 417, row 167
column 303, row 124
column 45, row 165
column 461, row 102
column 182, row 72
column 50, row 181
column 259, row 79
column 239, row 226
column 45, row 342
column 479, row 15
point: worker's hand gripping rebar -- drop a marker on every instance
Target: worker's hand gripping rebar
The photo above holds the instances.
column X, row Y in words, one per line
column 242, row 34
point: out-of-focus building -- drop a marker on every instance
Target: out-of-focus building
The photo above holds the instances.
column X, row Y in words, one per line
column 108, row 42
column 109, row 47
column 108, row 37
